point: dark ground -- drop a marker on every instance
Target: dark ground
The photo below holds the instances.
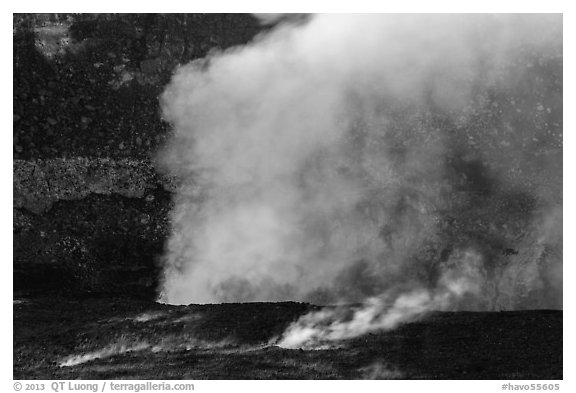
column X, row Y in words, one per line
column 231, row 341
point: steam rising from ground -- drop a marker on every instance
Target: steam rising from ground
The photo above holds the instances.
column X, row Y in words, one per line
column 412, row 160
column 319, row 328
column 109, row 351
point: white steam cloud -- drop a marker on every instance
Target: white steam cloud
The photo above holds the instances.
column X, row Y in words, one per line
column 318, row 329
column 357, row 157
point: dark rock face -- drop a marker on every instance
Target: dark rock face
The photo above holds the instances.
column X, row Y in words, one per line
column 38, row 184
column 88, row 85
column 90, row 212
column 97, row 245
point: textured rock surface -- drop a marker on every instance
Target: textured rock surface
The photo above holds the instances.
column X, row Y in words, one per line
column 38, row 184
column 232, row 341
column 90, row 211
column 87, row 85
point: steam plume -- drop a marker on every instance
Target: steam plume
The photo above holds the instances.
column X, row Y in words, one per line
column 407, row 159
column 379, row 313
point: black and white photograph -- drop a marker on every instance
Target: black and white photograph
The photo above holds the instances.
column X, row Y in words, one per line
column 287, row 196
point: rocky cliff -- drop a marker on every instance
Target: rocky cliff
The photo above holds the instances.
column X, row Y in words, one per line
column 91, row 212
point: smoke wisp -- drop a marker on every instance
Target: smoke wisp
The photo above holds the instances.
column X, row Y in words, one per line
column 410, row 162
column 318, row 329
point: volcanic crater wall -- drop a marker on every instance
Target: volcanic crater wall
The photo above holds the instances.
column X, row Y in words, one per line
column 90, row 211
